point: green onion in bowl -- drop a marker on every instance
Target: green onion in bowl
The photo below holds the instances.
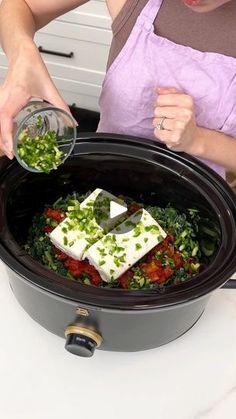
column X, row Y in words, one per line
column 44, row 136
column 41, row 153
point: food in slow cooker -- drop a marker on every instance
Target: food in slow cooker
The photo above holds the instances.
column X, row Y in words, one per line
column 185, row 245
column 120, row 249
column 80, row 229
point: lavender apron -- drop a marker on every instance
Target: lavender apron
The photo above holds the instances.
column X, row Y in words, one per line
column 148, row 61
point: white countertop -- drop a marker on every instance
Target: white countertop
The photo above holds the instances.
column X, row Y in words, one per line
column 193, row 377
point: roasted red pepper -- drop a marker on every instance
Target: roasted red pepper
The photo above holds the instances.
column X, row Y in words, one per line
column 124, row 280
column 48, row 229
column 78, row 267
column 57, row 215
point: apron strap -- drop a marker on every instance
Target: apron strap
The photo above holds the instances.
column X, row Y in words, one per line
column 150, row 11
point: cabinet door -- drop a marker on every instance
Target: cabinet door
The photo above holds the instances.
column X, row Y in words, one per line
column 81, row 53
column 83, row 95
column 75, row 49
column 93, row 13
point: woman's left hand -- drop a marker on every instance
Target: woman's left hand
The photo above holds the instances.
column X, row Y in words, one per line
column 174, row 120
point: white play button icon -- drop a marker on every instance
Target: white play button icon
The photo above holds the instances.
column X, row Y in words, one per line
column 111, row 211
column 116, row 209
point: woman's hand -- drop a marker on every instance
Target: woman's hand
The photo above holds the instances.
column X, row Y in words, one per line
column 174, row 120
column 27, row 77
column 175, row 125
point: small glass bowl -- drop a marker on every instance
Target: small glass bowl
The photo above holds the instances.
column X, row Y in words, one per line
column 38, row 118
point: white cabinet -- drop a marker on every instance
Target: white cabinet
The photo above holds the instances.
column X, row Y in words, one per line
column 93, row 13
column 75, row 49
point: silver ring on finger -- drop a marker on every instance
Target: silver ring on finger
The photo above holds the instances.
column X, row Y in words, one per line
column 160, row 125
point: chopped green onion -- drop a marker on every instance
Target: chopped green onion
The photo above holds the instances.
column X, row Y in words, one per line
column 41, row 152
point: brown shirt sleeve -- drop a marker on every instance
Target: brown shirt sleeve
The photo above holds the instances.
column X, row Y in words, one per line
column 212, row 32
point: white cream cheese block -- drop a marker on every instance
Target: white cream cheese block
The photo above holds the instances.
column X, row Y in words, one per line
column 120, row 249
column 81, row 228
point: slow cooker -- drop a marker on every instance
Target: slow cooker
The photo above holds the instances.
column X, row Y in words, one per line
column 114, row 319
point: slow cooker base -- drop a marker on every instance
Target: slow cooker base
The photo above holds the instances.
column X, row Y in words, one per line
column 121, row 331
column 115, row 319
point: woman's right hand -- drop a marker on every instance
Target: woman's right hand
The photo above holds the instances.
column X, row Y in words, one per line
column 27, row 77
